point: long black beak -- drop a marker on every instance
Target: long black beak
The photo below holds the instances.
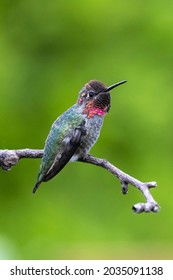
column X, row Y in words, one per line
column 115, row 85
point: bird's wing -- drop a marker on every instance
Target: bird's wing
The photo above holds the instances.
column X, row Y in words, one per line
column 62, row 142
column 70, row 143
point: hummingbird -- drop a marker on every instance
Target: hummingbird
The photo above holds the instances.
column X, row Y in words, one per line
column 73, row 133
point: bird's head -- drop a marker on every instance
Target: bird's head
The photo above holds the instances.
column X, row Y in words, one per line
column 95, row 98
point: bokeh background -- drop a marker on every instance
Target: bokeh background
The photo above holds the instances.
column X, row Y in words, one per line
column 48, row 51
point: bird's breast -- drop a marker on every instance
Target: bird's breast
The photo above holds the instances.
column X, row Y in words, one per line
column 93, row 127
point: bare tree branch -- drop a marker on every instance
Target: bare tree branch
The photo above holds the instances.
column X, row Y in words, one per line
column 9, row 158
column 125, row 179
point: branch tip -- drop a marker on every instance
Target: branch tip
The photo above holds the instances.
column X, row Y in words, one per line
column 151, row 184
column 146, row 207
column 124, row 188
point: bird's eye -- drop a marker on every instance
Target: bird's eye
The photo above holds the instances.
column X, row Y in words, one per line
column 91, row 93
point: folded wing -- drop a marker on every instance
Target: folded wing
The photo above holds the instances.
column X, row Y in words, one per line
column 61, row 144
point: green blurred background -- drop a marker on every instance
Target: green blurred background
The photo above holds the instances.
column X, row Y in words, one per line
column 48, row 51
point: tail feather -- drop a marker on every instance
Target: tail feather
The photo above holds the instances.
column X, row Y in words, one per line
column 36, row 187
